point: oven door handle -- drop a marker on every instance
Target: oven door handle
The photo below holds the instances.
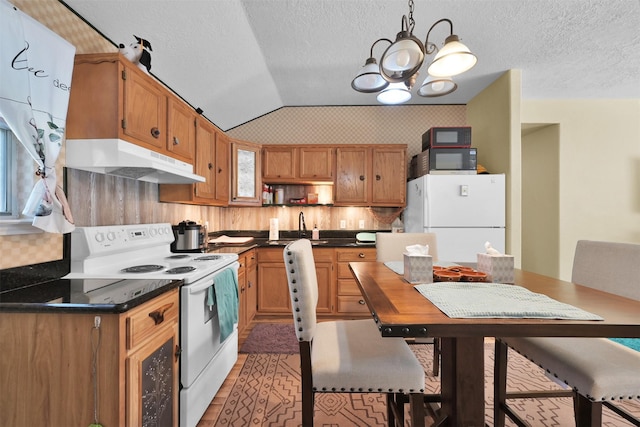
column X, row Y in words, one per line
column 205, row 282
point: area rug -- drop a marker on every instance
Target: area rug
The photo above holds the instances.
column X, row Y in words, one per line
column 279, row 338
column 267, row 393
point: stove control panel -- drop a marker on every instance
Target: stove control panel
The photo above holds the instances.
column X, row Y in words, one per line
column 87, row 242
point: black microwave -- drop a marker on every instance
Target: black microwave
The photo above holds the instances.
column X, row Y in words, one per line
column 449, row 161
column 444, row 137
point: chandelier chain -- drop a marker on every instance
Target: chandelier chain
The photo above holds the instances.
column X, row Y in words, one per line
column 412, row 23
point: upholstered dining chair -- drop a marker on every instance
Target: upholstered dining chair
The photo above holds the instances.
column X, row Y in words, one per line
column 598, row 370
column 348, row 356
column 390, row 247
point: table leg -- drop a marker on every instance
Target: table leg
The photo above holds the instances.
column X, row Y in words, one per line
column 462, row 381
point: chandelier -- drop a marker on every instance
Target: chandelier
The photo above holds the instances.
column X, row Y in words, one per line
column 397, row 73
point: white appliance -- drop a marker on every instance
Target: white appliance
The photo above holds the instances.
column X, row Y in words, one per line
column 128, row 257
column 127, row 160
column 464, row 211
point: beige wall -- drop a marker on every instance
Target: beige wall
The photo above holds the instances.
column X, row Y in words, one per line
column 541, row 199
column 494, row 115
column 598, row 171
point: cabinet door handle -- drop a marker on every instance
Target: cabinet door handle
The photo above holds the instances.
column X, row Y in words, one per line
column 158, row 315
column 176, row 141
column 378, row 178
column 249, row 285
column 210, row 166
column 155, row 132
column 361, row 255
column 361, row 177
column 361, row 302
column 177, row 352
column 219, row 170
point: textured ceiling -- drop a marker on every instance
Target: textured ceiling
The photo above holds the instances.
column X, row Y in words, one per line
column 241, row 59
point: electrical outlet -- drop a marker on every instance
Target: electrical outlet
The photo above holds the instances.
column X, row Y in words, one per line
column 343, row 223
column 361, row 224
column 350, row 224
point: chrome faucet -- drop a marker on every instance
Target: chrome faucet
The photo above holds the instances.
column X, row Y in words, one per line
column 302, row 227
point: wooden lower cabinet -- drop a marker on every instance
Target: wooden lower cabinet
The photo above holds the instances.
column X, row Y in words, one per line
column 349, row 298
column 273, row 291
column 248, row 290
column 48, row 359
column 338, row 292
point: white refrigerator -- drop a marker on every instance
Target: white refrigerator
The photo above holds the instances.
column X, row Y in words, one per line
column 464, row 211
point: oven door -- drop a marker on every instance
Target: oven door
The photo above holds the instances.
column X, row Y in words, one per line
column 199, row 327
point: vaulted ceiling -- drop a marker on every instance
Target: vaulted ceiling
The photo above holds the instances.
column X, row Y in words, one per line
column 240, row 59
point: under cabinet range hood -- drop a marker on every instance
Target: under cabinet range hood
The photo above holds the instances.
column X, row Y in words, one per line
column 127, row 160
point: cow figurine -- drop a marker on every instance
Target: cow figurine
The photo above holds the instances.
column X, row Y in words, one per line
column 138, row 53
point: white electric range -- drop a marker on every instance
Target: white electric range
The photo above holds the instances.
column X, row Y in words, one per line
column 120, row 259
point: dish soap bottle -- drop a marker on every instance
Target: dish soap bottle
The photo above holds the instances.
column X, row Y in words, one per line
column 315, row 233
column 397, row 226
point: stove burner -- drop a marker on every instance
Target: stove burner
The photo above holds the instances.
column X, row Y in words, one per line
column 208, row 258
column 178, row 256
column 142, row 268
column 180, row 270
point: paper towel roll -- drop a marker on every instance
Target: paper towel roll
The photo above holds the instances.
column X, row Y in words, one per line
column 273, row 229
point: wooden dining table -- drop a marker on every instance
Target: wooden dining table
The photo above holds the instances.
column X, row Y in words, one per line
column 401, row 311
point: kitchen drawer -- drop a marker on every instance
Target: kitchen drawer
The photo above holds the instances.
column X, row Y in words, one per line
column 277, row 254
column 323, row 254
column 352, row 304
column 144, row 321
column 343, row 271
column 250, row 258
column 348, row 287
column 356, row 254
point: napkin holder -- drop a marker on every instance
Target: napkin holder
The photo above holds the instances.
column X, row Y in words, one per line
column 499, row 268
column 418, row 268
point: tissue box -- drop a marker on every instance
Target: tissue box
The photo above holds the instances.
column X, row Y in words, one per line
column 499, row 268
column 418, row 268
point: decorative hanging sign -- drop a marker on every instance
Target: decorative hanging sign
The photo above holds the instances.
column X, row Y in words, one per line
column 36, row 67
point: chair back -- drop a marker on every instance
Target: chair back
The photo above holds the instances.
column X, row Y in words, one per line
column 391, row 246
column 303, row 287
column 607, row 266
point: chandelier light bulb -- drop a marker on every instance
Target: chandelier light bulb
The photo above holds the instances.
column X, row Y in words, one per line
column 437, row 86
column 402, row 59
column 395, row 93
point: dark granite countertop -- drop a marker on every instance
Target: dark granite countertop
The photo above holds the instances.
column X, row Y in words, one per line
column 40, row 287
column 328, row 239
column 68, row 296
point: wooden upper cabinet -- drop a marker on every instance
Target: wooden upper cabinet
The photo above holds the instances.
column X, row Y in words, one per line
column 371, row 175
column 212, row 162
column 181, row 124
column 316, row 163
column 205, row 160
column 389, row 176
column 279, row 164
column 144, row 110
column 221, row 169
column 245, row 174
column 294, row 164
column 352, row 175
column 112, row 98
